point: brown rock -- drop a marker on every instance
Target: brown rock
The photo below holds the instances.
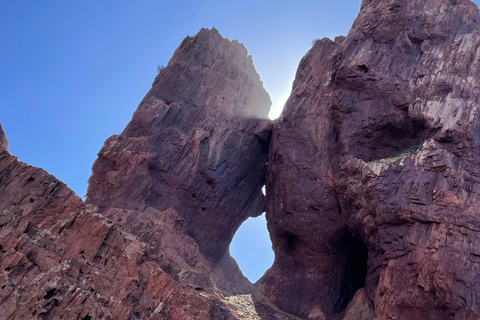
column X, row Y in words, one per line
column 373, row 167
column 166, row 197
column 360, row 308
column 197, row 145
column 59, row 259
column 372, row 186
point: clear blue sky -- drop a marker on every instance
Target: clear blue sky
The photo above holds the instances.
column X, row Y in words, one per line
column 73, row 72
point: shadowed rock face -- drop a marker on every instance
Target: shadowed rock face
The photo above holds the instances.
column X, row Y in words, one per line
column 374, row 165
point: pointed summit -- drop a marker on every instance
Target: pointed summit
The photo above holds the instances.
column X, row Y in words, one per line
column 197, row 145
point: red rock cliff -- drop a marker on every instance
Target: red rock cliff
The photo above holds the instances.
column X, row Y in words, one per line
column 373, row 169
column 164, row 201
column 372, row 186
column 197, row 144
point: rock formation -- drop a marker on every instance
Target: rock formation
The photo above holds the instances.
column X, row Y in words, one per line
column 197, row 144
column 61, row 260
column 374, row 169
column 372, row 186
column 164, row 201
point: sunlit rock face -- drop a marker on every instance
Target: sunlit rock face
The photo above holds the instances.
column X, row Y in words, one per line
column 374, row 167
column 197, row 144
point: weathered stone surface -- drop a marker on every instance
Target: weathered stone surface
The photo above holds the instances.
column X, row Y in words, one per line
column 197, row 144
column 372, row 186
column 360, row 308
column 61, row 260
column 165, row 199
column 376, row 157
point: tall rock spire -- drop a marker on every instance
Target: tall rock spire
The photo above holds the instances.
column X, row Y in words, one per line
column 197, row 144
column 164, row 201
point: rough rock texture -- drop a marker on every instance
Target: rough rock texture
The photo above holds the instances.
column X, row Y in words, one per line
column 373, row 186
column 197, row 144
column 62, row 260
column 360, row 308
column 373, row 177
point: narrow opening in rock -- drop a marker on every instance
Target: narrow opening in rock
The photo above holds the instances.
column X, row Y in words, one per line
column 355, row 271
column 252, row 248
column 50, row 293
column 290, row 243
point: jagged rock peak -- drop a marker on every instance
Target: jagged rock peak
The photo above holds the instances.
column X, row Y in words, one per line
column 197, row 144
column 164, row 201
column 3, row 140
column 214, row 74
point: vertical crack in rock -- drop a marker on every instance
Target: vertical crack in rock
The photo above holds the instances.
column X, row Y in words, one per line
column 355, row 271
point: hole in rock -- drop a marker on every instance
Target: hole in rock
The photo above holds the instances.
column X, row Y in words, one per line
column 252, row 249
column 363, row 68
column 355, row 270
column 50, row 293
column 290, row 243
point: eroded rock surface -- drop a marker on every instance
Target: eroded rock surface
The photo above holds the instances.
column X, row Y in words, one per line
column 373, row 177
column 197, row 144
column 165, row 199
column 62, row 260
column 372, row 186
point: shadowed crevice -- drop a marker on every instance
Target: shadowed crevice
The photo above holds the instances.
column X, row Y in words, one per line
column 355, row 270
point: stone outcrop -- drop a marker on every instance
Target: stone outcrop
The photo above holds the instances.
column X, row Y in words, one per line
column 372, row 186
column 373, row 169
column 61, row 260
column 197, row 144
column 165, row 199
